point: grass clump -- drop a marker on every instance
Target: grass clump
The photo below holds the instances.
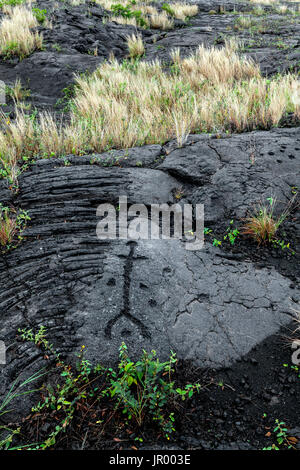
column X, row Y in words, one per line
column 184, row 10
column 135, row 46
column 17, row 92
column 263, row 225
column 161, row 21
column 12, row 224
column 16, row 36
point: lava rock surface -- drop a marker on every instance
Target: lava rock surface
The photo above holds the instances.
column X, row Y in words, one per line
column 210, row 306
column 213, row 306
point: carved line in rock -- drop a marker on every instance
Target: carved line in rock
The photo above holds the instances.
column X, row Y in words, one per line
column 126, row 310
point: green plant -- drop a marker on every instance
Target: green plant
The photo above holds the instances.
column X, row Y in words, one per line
column 168, row 9
column 16, row 390
column 294, row 368
column 40, row 14
column 142, row 389
column 7, row 437
column 65, row 395
column 231, row 233
column 11, row 3
column 282, row 438
column 138, row 389
column 57, row 47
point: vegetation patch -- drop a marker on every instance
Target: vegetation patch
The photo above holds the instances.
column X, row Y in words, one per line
column 148, row 16
column 12, row 224
column 128, row 104
column 16, row 35
column 135, row 46
column 134, row 392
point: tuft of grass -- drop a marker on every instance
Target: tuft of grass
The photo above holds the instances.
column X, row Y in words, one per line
column 135, row 45
column 244, row 22
column 17, row 92
column 126, row 21
column 11, row 224
column 184, row 10
column 8, row 228
column 262, row 225
column 141, row 14
column 16, row 37
column 161, row 21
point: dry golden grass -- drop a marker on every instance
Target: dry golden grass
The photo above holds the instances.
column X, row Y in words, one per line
column 124, row 105
column 161, row 21
column 216, row 65
column 16, row 37
column 146, row 9
column 121, row 20
column 105, row 3
column 135, row 46
column 183, row 10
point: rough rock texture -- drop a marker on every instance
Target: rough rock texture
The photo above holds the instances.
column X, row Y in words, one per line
column 211, row 306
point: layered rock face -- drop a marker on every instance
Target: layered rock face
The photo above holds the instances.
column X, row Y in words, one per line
column 211, row 306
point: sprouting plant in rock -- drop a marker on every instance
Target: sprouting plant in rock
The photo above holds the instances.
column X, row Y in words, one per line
column 12, row 224
column 65, row 395
column 295, row 369
column 217, row 242
column 283, row 439
column 179, row 193
column 263, row 225
column 232, row 233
